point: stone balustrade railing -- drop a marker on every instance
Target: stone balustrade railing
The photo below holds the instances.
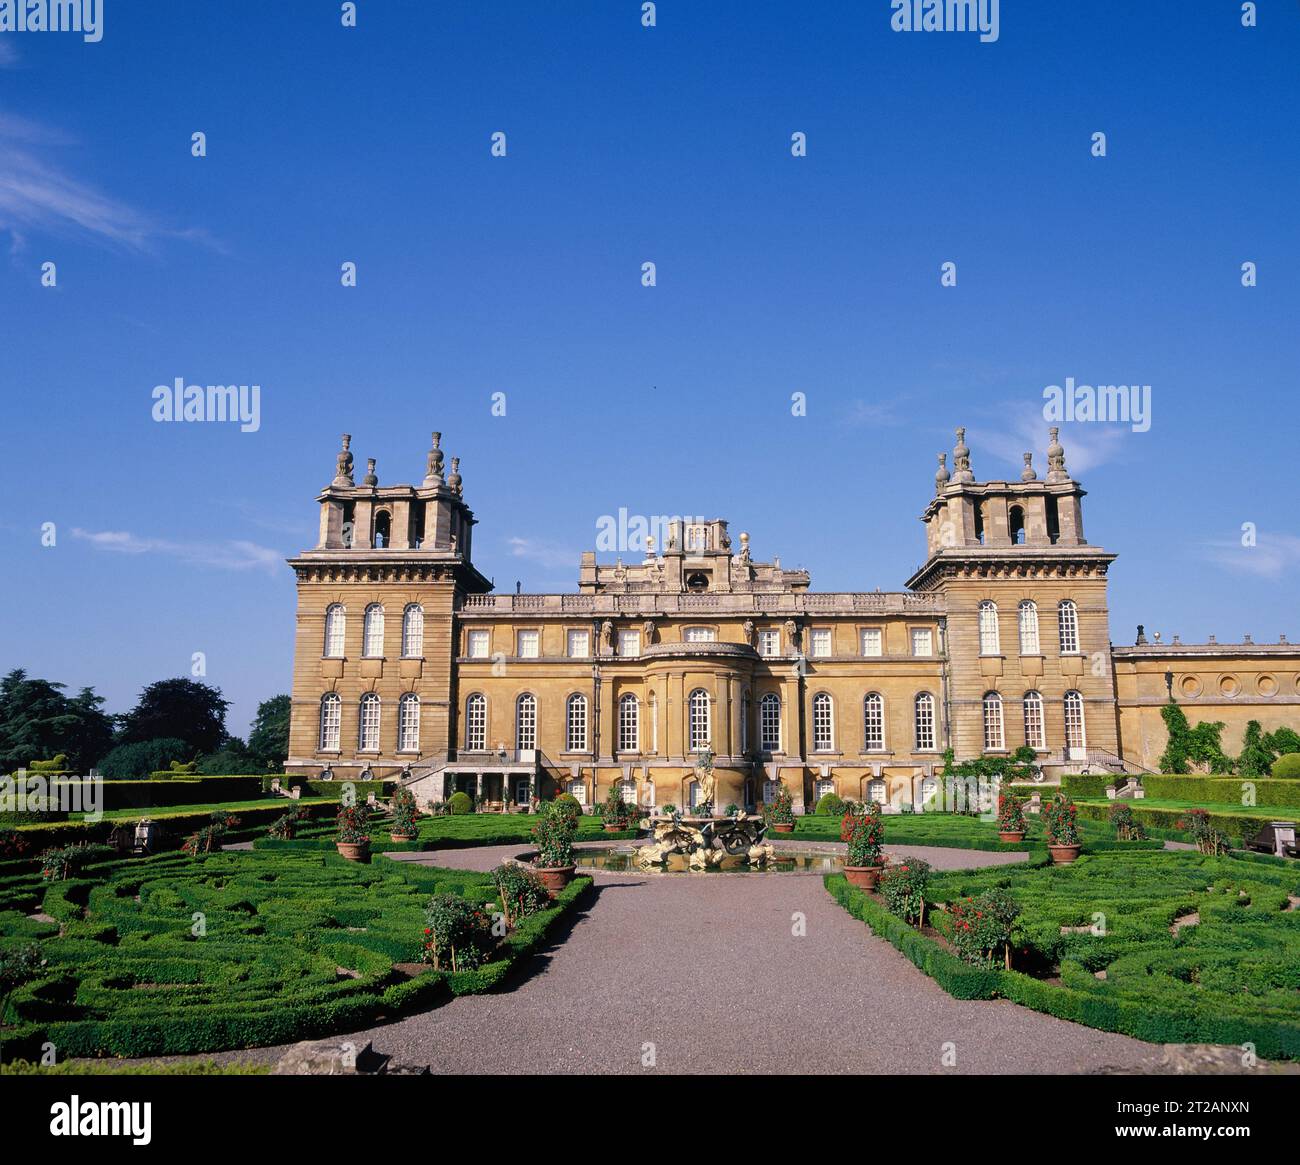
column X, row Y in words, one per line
column 723, row 603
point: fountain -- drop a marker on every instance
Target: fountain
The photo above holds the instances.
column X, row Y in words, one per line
column 705, row 839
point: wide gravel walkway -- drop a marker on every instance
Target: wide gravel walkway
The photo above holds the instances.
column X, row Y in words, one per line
column 741, row 973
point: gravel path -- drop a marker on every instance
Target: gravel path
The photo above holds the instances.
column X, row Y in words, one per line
column 713, row 972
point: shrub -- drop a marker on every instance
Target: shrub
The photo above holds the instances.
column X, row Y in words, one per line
column 284, row 828
column 978, row 926
column 58, row 863
column 404, row 811
column 830, row 805
column 780, row 811
column 18, row 966
column 1189, row 747
column 140, row 758
column 903, row 887
column 12, row 845
column 457, row 934
column 615, row 810
column 522, row 891
column 1127, row 827
column 554, row 833
column 866, row 837
column 1011, row 811
column 1207, row 838
column 207, row 840
column 1287, row 766
column 668, row 810
column 1059, row 820
column 353, row 825
column 461, row 803
column 58, row 764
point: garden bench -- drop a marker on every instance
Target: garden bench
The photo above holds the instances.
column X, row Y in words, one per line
column 1277, row 837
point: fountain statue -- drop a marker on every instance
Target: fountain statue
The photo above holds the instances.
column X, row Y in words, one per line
column 706, row 842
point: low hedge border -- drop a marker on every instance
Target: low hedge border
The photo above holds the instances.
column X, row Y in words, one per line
column 219, row 1026
column 1163, row 823
column 1139, row 1020
column 1269, row 791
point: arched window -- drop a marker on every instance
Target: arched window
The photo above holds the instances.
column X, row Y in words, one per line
column 526, row 721
column 994, row 737
column 990, row 641
column 873, row 722
column 383, row 529
column 877, row 792
column 368, row 724
column 1028, row 612
column 1076, row 737
column 476, row 723
column 575, row 719
column 823, row 723
column 1067, row 616
column 335, row 626
column 408, row 723
column 331, row 721
column 629, row 723
column 924, row 722
column 700, row 723
column 1035, row 735
column 1016, row 525
column 769, row 723
column 372, row 640
column 413, row 631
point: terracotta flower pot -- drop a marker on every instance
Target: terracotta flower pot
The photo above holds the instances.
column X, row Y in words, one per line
column 1011, row 835
column 402, row 836
column 614, row 827
column 783, row 826
column 863, row 877
column 1064, row 854
column 555, row 878
column 354, row 851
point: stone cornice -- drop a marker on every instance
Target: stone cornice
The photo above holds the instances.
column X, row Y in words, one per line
column 1046, row 562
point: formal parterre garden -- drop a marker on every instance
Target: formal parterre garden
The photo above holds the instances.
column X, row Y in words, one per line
column 1163, row 946
column 179, row 954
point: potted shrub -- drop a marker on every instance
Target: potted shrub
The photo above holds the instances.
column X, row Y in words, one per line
column 977, row 927
column 1062, row 830
column 522, row 891
column 404, row 814
column 1011, row 816
column 457, row 934
column 554, row 836
column 866, row 838
column 353, row 838
column 615, row 815
column 780, row 813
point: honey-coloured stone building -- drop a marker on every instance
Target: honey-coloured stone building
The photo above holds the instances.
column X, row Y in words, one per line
column 406, row 661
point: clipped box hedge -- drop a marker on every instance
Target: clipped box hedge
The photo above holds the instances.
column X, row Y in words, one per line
column 296, row 946
column 1232, row 979
column 1238, row 828
column 1269, row 791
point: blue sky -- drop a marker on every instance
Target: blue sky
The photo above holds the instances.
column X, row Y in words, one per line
column 522, row 275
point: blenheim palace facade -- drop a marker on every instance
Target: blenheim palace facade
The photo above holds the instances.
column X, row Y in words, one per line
column 406, row 662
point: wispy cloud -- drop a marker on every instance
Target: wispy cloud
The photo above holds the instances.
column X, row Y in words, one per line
column 1017, row 431
column 37, row 195
column 235, row 554
column 873, row 414
column 8, row 54
column 1272, row 555
column 548, row 554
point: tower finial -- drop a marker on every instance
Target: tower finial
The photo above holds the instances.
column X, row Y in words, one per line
column 1029, row 473
column 1056, row 470
column 343, row 463
column 371, row 478
column 433, row 466
column 454, row 479
column 942, row 476
column 961, row 459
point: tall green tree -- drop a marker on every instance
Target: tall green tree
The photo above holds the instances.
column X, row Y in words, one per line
column 182, row 709
column 268, row 740
column 38, row 721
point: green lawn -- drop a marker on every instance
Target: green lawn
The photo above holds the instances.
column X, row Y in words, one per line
column 1233, row 978
column 293, row 946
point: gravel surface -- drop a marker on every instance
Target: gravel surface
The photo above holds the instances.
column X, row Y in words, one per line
column 709, row 970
